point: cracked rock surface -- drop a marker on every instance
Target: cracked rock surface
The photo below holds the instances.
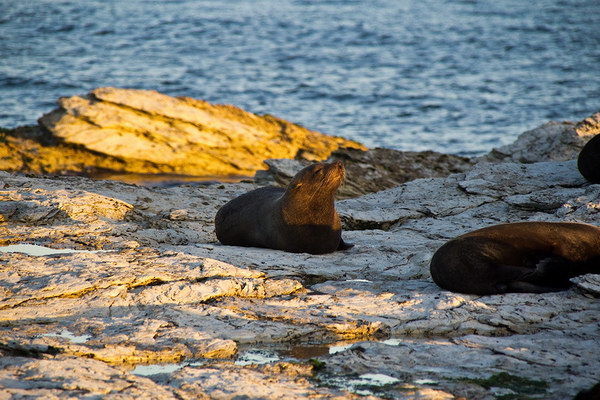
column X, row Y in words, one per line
column 153, row 286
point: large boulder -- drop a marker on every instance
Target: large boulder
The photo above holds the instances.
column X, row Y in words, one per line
column 180, row 134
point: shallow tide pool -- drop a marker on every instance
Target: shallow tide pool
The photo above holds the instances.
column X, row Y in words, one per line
column 35, row 250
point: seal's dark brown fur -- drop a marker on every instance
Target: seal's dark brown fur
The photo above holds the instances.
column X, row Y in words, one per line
column 588, row 161
column 532, row 257
column 298, row 219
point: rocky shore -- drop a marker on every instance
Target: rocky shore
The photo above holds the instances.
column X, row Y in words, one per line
column 152, row 306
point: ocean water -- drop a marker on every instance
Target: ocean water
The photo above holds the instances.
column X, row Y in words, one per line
column 458, row 76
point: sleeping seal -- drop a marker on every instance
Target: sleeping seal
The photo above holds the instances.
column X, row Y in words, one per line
column 534, row 257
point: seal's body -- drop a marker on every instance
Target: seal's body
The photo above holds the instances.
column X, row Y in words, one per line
column 534, row 257
column 588, row 161
column 298, row 219
column 592, row 393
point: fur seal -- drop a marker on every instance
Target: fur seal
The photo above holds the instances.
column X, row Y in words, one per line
column 588, row 161
column 298, row 219
column 533, row 257
column 592, row 393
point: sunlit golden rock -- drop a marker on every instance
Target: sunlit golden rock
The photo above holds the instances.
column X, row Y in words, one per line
column 152, row 132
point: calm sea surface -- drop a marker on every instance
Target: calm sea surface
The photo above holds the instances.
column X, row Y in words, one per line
column 448, row 75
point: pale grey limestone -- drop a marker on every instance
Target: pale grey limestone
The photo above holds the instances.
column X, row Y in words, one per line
column 163, row 290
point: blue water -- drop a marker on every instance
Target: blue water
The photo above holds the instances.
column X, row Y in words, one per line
column 456, row 76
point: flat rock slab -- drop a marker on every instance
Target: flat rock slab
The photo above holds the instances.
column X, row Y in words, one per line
column 80, row 293
column 162, row 290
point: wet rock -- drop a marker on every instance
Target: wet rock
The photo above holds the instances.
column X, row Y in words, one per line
column 181, row 135
column 475, row 366
column 223, row 381
column 377, row 169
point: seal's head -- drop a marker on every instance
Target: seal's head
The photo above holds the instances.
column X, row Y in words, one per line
column 309, row 198
column 319, row 178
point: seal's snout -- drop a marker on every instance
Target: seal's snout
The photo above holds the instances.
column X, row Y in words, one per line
column 339, row 165
column 337, row 171
column 336, row 166
column 341, row 168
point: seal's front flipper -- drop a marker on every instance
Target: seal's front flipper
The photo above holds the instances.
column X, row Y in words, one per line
column 552, row 271
column 344, row 246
